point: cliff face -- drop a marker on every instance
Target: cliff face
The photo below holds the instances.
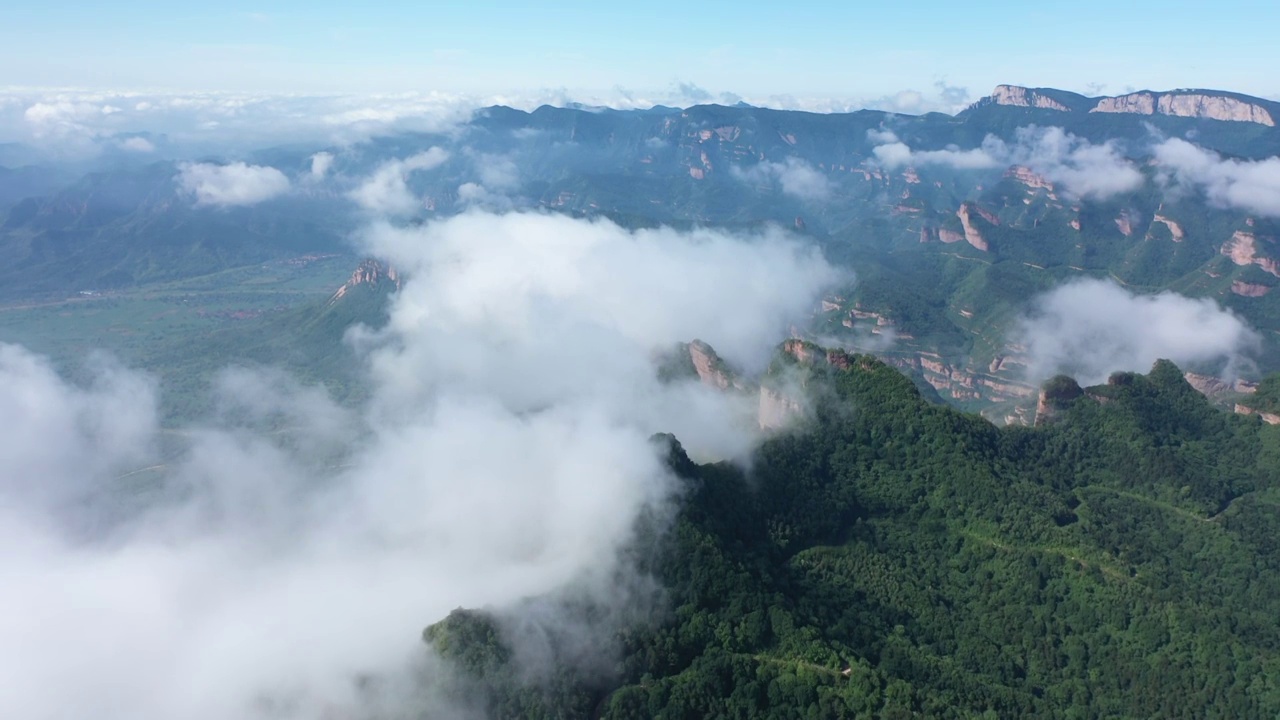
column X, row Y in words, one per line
column 1243, row 249
column 1214, row 108
column 1192, row 105
column 1025, row 97
column 1207, row 105
column 971, row 232
column 778, row 403
column 1213, row 387
column 776, row 409
column 1055, row 395
column 1136, row 103
column 960, row 382
column 1268, row 418
column 710, row 368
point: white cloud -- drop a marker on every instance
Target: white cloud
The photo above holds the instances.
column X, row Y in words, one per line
column 48, row 116
column 497, row 172
column 320, row 164
column 477, row 195
column 233, row 184
column 386, row 191
column 795, row 176
column 1079, row 166
column 1251, row 185
column 499, row 177
column 881, row 136
column 1083, row 168
column 294, row 546
column 897, row 154
column 137, row 144
column 1092, row 328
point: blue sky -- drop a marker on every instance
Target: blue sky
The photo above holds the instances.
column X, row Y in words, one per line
column 814, row 49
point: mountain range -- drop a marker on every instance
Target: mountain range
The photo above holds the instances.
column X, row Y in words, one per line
column 952, row 224
column 367, row 380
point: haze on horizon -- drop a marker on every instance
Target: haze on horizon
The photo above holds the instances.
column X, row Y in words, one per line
column 859, row 55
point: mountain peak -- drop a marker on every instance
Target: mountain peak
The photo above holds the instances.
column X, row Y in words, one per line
column 369, row 272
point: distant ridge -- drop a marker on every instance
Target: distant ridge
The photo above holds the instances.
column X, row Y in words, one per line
column 1185, row 102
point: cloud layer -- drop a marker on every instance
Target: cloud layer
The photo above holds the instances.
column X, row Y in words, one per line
column 255, row 564
column 1091, row 328
column 84, row 122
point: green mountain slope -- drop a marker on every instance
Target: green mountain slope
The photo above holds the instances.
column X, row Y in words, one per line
column 902, row 559
column 130, row 227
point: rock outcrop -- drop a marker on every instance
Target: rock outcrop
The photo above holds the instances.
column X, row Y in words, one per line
column 960, row 383
column 971, row 232
column 1203, row 105
column 1214, row 107
column 1252, row 290
column 1055, row 395
column 368, row 272
column 1242, row 248
column 1174, row 228
column 1143, row 103
column 1029, row 177
column 1214, row 387
column 710, row 368
column 1017, row 96
column 1268, row 418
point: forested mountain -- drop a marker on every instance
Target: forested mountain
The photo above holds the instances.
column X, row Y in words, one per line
column 897, row 558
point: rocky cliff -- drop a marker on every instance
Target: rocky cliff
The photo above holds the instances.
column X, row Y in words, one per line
column 1203, row 104
column 1268, row 418
column 711, row 368
column 971, row 232
column 1025, row 97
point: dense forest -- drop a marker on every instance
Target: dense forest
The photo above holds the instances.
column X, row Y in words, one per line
column 898, row 558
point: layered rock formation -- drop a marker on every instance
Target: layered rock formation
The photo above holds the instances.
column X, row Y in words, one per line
column 1025, row 97
column 1213, row 107
column 710, row 368
column 971, row 232
column 1268, row 418
column 1203, row 104
column 1214, row 387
